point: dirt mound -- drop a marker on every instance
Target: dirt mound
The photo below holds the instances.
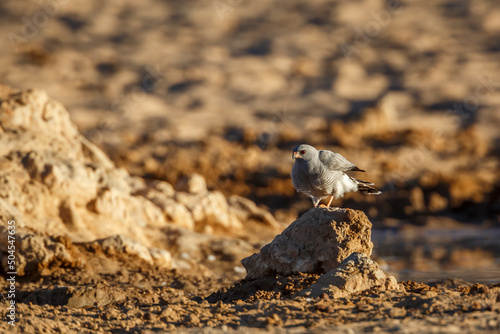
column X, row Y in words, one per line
column 264, row 288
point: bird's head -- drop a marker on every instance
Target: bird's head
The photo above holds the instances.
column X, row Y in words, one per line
column 305, row 152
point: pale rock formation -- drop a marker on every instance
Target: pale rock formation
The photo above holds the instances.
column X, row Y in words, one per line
column 317, row 242
column 355, row 274
column 210, row 212
column 35, row 253
column 55, row 182
column 246, row 210
column 119, row 244
column 193, row 184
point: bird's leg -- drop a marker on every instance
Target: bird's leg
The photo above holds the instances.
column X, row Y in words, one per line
column 330, row 201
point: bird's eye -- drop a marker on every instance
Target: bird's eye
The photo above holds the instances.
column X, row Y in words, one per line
column 302, row 152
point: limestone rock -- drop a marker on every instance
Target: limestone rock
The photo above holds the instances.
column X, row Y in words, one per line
column 58, row 181
column 119, row 244
column 178, row 214
column 246, row 209
column 355, row 274
column 189, row 248
column 193, row 184
column 317, row 242
column 161, row 193
column 161, row 257
column 210, row 211
column 52, row 174
column 55, row 181
column 35, row 253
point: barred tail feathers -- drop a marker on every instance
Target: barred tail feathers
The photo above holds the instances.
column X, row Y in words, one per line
column 366, row 187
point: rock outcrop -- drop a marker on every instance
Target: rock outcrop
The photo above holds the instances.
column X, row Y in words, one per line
column 57, row 183
column 333, row 242
column 355, row 274
column 36, row 253
column 317, row 242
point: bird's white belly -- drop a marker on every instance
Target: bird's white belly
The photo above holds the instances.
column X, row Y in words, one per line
column 342, row 185
column 322, row 183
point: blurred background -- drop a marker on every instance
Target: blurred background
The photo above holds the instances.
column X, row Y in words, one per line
column 407, row 90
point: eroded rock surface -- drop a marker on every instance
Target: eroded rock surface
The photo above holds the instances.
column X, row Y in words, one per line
column 34, row 253
column 317, row 242
column 355, row 274
column 55, row 182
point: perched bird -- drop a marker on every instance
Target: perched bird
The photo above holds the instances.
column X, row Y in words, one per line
column 319, row 174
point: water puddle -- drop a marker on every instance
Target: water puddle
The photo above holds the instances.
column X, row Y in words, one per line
column 426, row 255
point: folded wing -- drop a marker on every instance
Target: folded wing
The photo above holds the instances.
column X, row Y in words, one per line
column 336, row 162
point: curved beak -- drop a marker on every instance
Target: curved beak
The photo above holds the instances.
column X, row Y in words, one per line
column 295, row 155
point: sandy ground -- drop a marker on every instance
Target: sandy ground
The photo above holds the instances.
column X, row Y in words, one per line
column 121, row 296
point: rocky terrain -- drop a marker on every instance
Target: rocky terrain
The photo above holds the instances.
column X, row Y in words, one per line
column 56, row 183
column 410, row 91
column 100, row 250
column 145, row 158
